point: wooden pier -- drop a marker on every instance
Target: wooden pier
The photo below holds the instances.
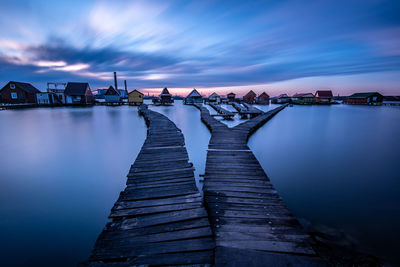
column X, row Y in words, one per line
column 251, row 224
column 247, row 110
column 159, row 219
column 226, row 114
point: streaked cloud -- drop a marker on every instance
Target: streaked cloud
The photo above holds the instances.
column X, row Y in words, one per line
column 202, row 44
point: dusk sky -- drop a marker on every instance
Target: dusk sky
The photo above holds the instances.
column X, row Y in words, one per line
column 273, row 46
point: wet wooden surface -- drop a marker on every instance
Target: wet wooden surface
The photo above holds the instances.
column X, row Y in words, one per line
column 159, row 219
column 251, row 223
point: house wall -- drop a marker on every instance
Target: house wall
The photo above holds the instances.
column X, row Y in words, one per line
column 112, row 98
column 21, row 96
column 135, row 97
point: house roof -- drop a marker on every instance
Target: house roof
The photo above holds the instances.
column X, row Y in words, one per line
column 304, row 95
column 165, row 92
column 263, row 94
column 111, row 91
column 27, row 87
column 214, row 95
column 364, row 95
column 194, row 93
column 135, row 91
column 231, row 94
column 250, row 93
column 283, row 95
column 76, row 88
column 324, row 93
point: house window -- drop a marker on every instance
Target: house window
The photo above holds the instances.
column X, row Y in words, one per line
column 12, row 86
column 14, row 95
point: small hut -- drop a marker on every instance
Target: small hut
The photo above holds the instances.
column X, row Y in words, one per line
column 193, row 97
column 372, row 98
column 281, row 99
column 18, row 93
column 78, row 94
column 303, row 99
column 166, row 97
column 231, row 97
column 135, row 98
column 214, row 98
column 250, row 97
column 112, row 95
column 263, row 99
column 323, row 97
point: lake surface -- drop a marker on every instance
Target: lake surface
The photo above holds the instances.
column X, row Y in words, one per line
column 63, row 168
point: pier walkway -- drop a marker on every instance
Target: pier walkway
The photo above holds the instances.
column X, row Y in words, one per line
column 251, row 224
column 159, row 219
column 226, row 114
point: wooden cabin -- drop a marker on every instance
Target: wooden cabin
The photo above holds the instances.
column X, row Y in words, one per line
column 231, row 97
column 371, row 98
column 323, row 97
column 250, row 97
column 303, row 99
column 166, row 97
column 78, row 94
column 263, row 99
column 112, row 95
column 135, row 98
column 18, row 93
column 193, row 97
column 214, row 98
column 281, row 99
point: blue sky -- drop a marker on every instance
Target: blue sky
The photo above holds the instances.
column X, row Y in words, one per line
column 274, row 46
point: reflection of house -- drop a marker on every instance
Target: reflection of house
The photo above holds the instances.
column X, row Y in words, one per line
column 263, row 99
column 78, row 94
column 303, row 99
column 135, row 97
column 112, row 95
column 281, row 99
column 250, row 97
column 323, row 97
column 193, row 97
column 364, row 98
column 214, row 98
column 231, row 97
column 166, row 97
column 18, row 93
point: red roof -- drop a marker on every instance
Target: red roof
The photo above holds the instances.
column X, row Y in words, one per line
column 324, row 93
column 250, row 94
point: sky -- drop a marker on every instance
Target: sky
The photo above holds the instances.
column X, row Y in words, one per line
column 274, row 46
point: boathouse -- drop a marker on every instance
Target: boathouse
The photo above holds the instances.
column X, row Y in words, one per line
column 166, row 97
column 18, row 93
column 193, row 97
column 135, row 98
column 231, row 97
column 323, row 97
column 281, row 99
column 263, row 99
column 78, row 94
column 214, row 98
column 250, row 97
column 112, row 95
column 371, row 98
column 303, row 99
column 48, row 99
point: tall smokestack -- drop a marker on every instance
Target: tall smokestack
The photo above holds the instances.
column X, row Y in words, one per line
column 126, row 88
column 115, row 81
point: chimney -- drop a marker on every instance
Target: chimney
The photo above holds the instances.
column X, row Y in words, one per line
column 126, row 88
column 115, row 81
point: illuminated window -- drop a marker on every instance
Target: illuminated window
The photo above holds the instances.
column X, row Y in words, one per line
column 12, row 86
column 14, row 95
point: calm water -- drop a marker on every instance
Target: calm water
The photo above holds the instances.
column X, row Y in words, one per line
column 62, row 169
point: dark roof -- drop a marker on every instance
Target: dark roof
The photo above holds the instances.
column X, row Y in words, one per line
column 165, row 91
column 324, row 93
column 364, row 95
column 263, row 94
column 250, row 93
column 283, row 95
column 76, row 88
column 27, row 87
column 111, row 91
column 194, row 93
column 231, row 93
